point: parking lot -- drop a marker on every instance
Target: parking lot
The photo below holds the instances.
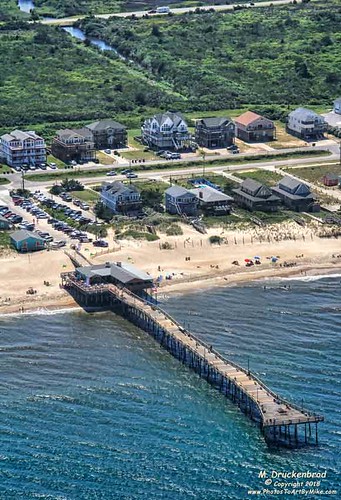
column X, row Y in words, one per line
column 32, row 214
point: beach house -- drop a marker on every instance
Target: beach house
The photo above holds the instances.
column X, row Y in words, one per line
column 296, row 195
column 19, row 148
column 251, row 127
column 165, row 131
column 214, row 132
column 181, row 201
column 108, row 134
column 254, row 196
column 27, row 241
column 121, row 198
column 73, row 144
column 211, row 201
column 306, row 124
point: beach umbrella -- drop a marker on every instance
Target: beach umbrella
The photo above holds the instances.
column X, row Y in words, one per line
column 274, row 259
column 247, row 260
column 257, row 258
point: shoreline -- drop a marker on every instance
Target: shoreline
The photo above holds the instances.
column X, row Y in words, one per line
column 64, row 302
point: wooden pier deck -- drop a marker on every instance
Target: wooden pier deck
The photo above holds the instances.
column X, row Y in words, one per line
column 282, row 422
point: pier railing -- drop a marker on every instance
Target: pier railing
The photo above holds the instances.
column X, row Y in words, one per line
column 263, row 398
column 211, row 349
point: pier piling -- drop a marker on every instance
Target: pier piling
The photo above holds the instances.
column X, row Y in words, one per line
column 253, row 397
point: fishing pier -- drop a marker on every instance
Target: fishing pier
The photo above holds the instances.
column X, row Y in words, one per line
column 281, row 422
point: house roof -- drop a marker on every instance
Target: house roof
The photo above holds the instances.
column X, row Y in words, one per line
column 176, row 191
column 291, row 183
column 66, row 133
column 175, row 117
column 305, row 114
column 23, row 234
column 118, row 187
column 214, row 122
column 243, row 194
column 251, row 185
column 292, row 196
column 105, row 124
column 211, row 195
column 120, row 271
column 19, row 135
column 247, row 118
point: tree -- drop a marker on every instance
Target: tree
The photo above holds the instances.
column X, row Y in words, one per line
column 72, row 185
column 103, row 212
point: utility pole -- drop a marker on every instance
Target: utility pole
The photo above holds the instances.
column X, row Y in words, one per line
column 340, row 152
column 23, row 180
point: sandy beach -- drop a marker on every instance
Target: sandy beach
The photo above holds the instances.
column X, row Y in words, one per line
column 190, row 264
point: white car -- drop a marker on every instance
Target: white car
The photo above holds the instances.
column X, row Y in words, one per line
column 111, row 173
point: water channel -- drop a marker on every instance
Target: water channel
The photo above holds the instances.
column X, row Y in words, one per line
column 27, row 5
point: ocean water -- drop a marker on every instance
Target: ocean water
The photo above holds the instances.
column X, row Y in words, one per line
column 92, row 408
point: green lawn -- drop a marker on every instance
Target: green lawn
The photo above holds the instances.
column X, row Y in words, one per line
column 264, row 176
column 53, row 159
column 4, row 181
column 5, row 169
column 87, row 195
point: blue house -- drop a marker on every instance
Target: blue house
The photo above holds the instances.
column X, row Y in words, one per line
column 121, row 198
column 180, row 201
column 27, row 241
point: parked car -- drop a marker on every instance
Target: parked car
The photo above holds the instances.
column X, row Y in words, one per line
column 131, row 175
column 107, row 151
column 100, row 243
column 111, row 173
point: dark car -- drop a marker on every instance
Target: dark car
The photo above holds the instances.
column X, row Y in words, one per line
column 100, row 243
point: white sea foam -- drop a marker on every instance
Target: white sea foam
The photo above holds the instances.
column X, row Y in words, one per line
column 40, row 311
column 311, row 278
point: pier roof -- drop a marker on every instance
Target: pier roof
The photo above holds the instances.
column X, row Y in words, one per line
column 120, row 271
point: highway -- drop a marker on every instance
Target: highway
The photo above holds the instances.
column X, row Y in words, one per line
column 67, row 21
column 167, row 172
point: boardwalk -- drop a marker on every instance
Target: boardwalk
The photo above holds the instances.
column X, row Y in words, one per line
column 281, row 422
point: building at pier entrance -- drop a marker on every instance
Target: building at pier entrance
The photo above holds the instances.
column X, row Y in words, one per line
column 121, row 274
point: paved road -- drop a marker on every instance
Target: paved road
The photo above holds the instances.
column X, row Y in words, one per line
column 183, row 10
column 160, row 174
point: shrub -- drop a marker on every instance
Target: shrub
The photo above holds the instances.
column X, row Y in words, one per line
column 174, row 230
column 215, row 240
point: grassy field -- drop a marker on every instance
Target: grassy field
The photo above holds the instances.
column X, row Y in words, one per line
column 53, row 159
column 264, row 176
column 104, row 158
column 4, row 181
column 138, row 152
column 314, row 174
column 87, row 195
